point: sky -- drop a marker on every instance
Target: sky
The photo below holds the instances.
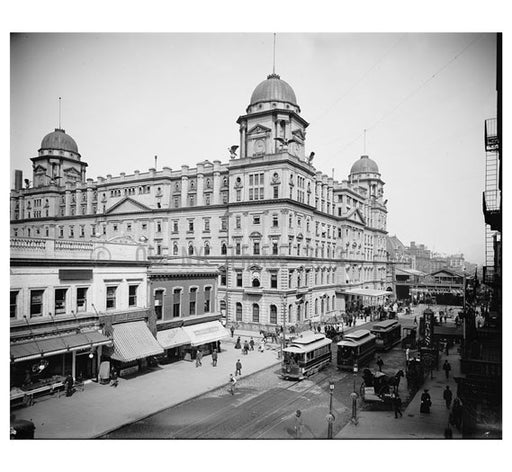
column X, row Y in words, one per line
column 422, row 98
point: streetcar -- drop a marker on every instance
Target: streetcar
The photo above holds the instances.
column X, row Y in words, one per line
column 306, row 355
column 357, row 348
column 387, row 334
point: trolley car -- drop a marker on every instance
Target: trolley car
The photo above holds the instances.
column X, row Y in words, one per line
column 306, row 355
column 357, row 347
column 387, row 334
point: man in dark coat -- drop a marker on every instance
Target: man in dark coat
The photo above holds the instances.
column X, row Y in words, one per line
column 380, row 363
column 425, row 402
column 448, row 395
column 447, row 367
column 397, row 405
column 251, row 344
column 214, row 358
column 238, row 367
column 232, row 329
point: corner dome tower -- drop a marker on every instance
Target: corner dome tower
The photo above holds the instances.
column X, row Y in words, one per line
column 60, row 141
column 273, row 93
column 364, row 165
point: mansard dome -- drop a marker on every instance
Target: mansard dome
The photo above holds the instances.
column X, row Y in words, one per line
column 364, row 165
column 59, row 140
column 273, row 90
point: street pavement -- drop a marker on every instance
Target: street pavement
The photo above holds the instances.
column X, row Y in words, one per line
column 413, row 424
column 102, row 408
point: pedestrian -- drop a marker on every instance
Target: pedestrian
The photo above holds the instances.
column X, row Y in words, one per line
column 415, row 321
column 380, row 363
column 238, row 367
column 261, row 347
column 246, row 347
column 214, row 358
column 238, row 344
column 457, row 413
column 299, row 424
column 447, row 367
column 69, row 385
column 251, row 344
column 448, row 433
column 407, row 352
column 114, row 379
column 448, row 395
column 232, row 384
column 232, row 329
column 447, row 348
column 199, row 356
column 426, row 402
column 397, row 405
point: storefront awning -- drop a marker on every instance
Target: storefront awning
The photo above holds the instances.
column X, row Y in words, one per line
column 46, row 347
column 169, row 338
column 134, row 341
column 206, row 333
column 367, row 292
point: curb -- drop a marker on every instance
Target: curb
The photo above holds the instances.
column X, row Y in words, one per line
column 98, row 436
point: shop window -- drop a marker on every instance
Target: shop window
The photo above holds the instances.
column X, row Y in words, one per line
column 192, row 301
column 159, row 304
column 60, row 301
column 36, row 303
column 132, row 295
column 176, row 302
column 207, row 299
column 255, row 313
column 111, row 297
column 238, row 311
column 14, row 303
column 81, row 299
column 273, row 314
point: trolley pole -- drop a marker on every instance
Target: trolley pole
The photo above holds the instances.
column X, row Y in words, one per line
column 330, row 416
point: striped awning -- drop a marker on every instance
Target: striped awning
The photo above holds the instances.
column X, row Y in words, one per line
column 46, row 347
column 134, row 341
column 169, row 338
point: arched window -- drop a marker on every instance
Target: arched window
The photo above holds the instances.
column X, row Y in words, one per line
column 289, row 313
column 223, row 249
column 255, row 313
column 175, row 249
column 238, row 311
column 206, row 249
column 333, row 302
column 256, row 280
column 273, row 314
column 322, row 306
column 190, row 250
column 306, row 310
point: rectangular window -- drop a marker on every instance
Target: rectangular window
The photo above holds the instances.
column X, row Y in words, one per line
column 207, row 299
column 175, row 226
column 256, row 188
column 238, row 222
column 275, row 221
column 223, row 278
column 275, row 249
column 207, row 224
column 61, row 231
column 192, row 304
column 111, row 297
column 159, row 304
column 223, row 224
column 276, row 191
column 158, row 227
column 239, row 279
column 273, row 280
column 238, row 195
column 190, row 226
column 81, row 299
column 71, row 232
column 238, row 248
column 256, row 220
column 60, row 301
column 128, row 226
column 82, row 231
column 176, row 303
column 256, row 248
column 36, row 303
column 176, row 203
column 132, row 295
column 14, row 303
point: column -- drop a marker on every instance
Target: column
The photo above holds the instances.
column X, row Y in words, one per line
column 216, row 188
column 78, row 200
column 73, row 364
column 89, row 196
column 67, row 210
column 184, row 190
column 200, row 185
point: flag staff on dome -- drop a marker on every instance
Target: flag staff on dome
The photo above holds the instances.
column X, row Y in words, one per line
column 274, row 56
column 60, row 112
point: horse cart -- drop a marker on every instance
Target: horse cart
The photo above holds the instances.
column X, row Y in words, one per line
column 378, row 387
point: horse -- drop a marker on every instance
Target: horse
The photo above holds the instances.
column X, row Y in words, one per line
column 395, row 380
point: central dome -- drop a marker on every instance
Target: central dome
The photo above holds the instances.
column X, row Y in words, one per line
column 58, row 139
column 365, row 165
column 273, row 90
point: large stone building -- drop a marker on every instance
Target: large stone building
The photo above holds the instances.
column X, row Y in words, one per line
column 288, row 239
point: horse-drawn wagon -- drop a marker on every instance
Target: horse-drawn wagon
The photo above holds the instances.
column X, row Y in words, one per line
column 379, row 387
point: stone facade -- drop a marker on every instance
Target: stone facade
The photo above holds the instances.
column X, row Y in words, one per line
column 287, row 238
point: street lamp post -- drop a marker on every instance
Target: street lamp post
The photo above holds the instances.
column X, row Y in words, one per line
column 354, row 396
column 330, row 416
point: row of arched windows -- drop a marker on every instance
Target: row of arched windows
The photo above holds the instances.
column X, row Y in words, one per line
column 191, row 250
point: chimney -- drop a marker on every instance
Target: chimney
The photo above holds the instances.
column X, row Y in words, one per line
column 18, row 179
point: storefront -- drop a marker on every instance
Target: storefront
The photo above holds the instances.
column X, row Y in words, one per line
column 40, row 358
column 174, row 342
column 133, row 345
column 204, row 336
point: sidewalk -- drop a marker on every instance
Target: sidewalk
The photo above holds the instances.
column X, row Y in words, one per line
column 413, row 424
column 101, row 408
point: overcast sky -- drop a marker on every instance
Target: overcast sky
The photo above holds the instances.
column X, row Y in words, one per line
column 422, row 97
